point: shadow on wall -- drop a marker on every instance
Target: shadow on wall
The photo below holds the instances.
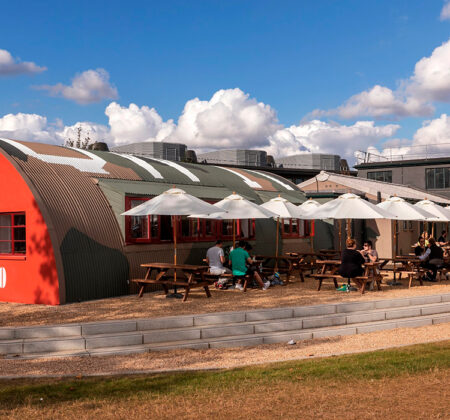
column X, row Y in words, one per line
column 40, row 249
column 92, row 270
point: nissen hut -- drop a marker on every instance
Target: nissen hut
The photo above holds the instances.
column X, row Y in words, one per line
column 62, row 236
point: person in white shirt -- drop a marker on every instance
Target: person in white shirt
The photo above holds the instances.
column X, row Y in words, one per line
column 216, row 258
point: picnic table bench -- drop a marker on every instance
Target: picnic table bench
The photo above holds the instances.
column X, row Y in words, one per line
column 178, row 275
column 329, row 269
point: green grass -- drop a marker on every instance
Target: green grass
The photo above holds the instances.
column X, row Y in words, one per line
column 365, row 366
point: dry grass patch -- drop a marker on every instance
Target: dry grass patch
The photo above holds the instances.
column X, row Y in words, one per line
column 156, row 305
column 397, row 384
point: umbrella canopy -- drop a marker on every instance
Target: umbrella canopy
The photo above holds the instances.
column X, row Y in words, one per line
column 237, row 207
column 405, row 211
column 309, row 208
column 283, row 208
column 173, row 202
column 351, row 206
column 439, row 212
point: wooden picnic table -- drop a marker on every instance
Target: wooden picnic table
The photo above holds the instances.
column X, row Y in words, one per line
column 187, row 276
column 329, row 268
column 408, row 265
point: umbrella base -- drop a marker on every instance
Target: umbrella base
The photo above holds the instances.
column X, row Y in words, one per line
column 174, row 296
column 394, row 283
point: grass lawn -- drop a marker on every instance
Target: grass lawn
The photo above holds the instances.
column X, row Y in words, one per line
column 410, row 382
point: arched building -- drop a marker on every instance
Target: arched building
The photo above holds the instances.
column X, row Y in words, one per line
column 62, row 236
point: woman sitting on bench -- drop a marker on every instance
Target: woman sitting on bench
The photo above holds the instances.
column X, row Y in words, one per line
column 351, row 262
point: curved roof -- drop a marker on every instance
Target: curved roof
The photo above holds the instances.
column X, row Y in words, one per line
column 81, row 196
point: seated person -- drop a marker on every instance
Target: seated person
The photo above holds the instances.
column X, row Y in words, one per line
column 241, row 264
column 216, row 259
column 369, row 254
column 351, row 261
column 442, row 240
column 432, row 259
column 420, row 247
column 425, row 236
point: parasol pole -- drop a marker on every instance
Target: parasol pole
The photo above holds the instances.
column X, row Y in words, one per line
column 276, row 244
column 175, row 247
column 349, row 229
column 234, row 233
column 433, row 224
column 340, row 234
column 311, row 236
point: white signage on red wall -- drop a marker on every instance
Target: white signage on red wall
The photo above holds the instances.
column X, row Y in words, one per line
column 2, row 277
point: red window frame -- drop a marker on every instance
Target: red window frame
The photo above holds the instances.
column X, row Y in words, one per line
column 12, row 240
column 201, row 235
column 308, row 227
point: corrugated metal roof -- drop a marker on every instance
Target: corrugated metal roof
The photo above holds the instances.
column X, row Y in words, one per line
column 88, row 235
column 372, row 187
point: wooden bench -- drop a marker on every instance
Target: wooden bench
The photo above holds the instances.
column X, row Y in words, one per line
column 164, row 284
column 360, row 281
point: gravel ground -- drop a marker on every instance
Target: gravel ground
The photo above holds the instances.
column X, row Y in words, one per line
column 156, row 305
column 225, row 358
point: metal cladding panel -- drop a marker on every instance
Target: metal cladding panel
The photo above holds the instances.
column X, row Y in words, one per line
column 87, row 232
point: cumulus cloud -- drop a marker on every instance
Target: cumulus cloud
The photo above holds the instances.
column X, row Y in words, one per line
column 431, row 140
column 445, row 12
column 88, row 87
column 136, row 124
column 10, row 66
column 34, row 127
column 431, row 79
column 323, row 137
column 230, row 119
column 378, row 102
column 429, row 83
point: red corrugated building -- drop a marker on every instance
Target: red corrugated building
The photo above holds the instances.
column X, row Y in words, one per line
column 62, row 236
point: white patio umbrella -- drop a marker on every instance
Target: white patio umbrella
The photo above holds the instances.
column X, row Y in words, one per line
column 173, row 202
column 309, row 207
column 237, row 207
column 404, row 211
column 351, row 206
column 283, row 210
column 441, row 213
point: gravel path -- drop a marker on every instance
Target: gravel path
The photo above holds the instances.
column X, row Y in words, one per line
column 225, row 358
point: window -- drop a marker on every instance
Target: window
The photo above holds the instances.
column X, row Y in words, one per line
column 12, row 234
column 437, row 178
column 158, row 229
column 385, row 176
column 295, row 228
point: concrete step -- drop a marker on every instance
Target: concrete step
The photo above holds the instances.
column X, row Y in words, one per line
column 246, row 339
column 214, row 319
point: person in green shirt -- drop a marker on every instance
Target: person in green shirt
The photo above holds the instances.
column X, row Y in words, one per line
column 241, row 264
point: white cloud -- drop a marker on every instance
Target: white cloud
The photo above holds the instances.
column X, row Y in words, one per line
column 134, row 124
column 431, row 140
column 445, row 12
column 88, row 87
column 10, row 66
column 431, row 79
column 378, row 102
column 230, row 119
column 33, row 127
column 322, row 137
column 429, row 83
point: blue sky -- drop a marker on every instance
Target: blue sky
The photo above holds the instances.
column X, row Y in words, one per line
column 293, row 56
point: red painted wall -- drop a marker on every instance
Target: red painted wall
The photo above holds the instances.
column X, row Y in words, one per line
column 33, row 278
